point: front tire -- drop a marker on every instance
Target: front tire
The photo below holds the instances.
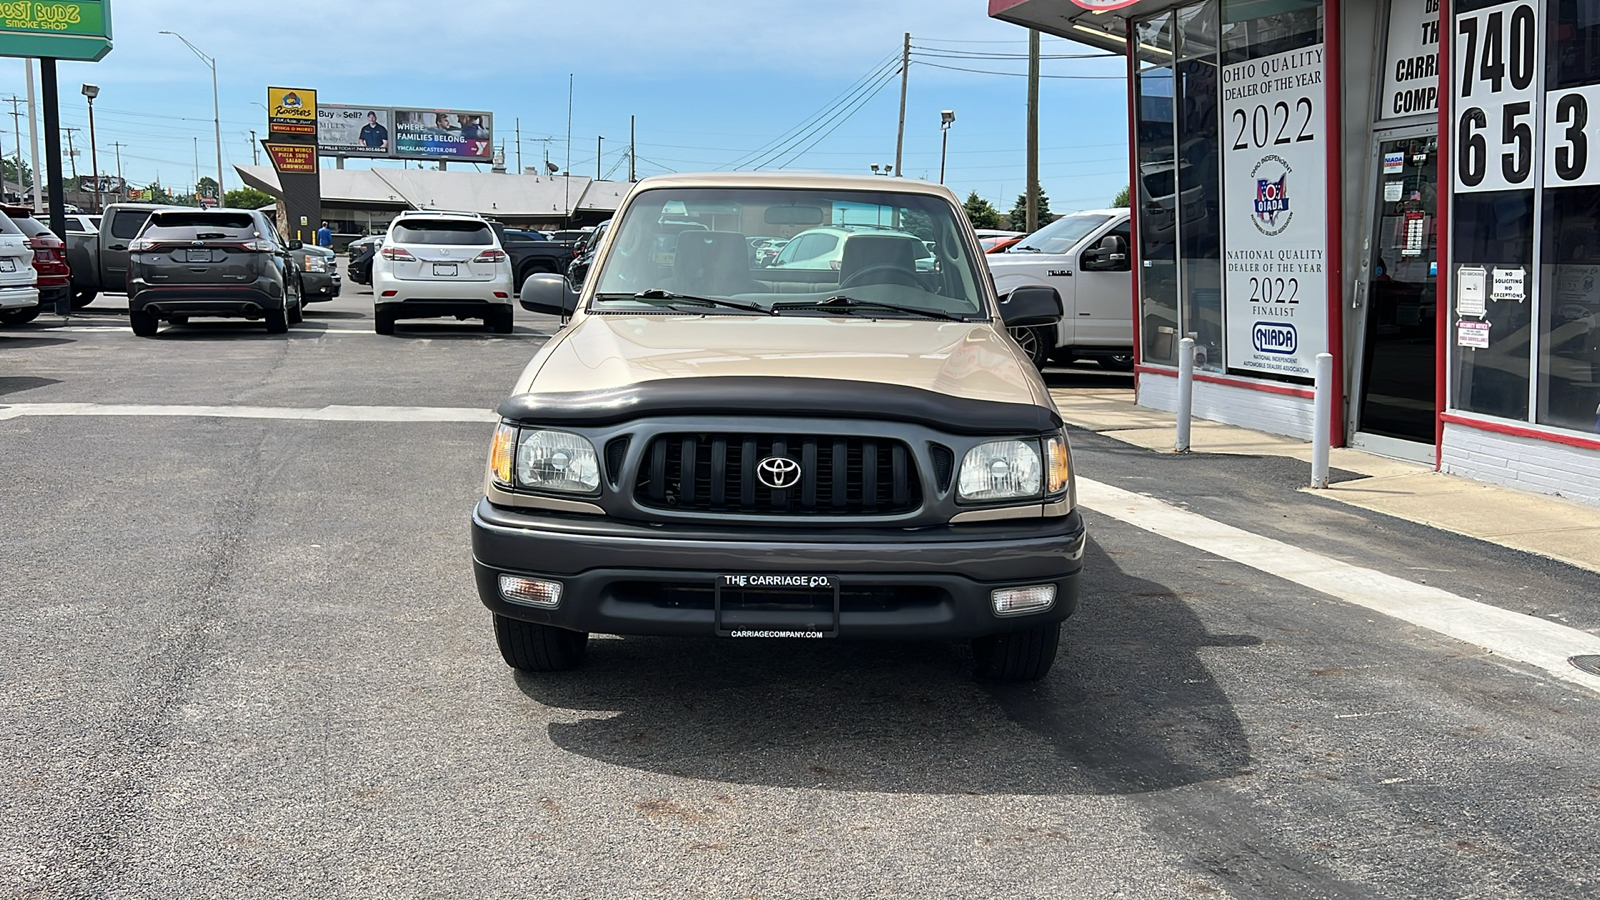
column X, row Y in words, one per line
column 144, row 324
column 1038, row 341
column 1018, row 655
column 530, row 647
column 1117, row 362
column 297, row 314
column 83, row 297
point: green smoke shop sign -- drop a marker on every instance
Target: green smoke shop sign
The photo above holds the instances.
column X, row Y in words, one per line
column 64, row 29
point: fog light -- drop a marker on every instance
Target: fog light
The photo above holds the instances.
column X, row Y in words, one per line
column 1006, row 601
column 534, row 592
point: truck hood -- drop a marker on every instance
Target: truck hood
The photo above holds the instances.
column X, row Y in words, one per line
column 961, row 359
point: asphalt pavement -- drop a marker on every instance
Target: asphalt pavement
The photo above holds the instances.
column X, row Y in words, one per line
column 243, row 657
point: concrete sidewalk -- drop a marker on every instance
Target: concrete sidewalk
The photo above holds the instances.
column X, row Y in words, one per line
column 1548, row 526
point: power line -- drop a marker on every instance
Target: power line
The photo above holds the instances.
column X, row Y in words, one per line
column 1024, row 74
column 864, row 100
column 762, row 151
column 838, row 118
column 951, row 54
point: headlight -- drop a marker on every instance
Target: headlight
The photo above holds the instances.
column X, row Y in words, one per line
column 557, row 461
column 1058, row 464
column 1001, row 470
column 316, row 264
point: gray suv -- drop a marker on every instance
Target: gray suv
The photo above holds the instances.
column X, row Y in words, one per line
column 221, row 262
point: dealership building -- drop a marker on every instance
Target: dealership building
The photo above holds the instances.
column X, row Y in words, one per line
column 1327, row 175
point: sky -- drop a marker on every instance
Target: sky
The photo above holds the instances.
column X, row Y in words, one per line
column 710, row 84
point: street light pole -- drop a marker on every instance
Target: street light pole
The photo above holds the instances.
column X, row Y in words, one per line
column 598, row 143
column 216, row 106
column 947, row 118
column 92, row 91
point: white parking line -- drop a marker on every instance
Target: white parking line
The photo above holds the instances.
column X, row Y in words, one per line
column 1527, row 639
column 324, row 414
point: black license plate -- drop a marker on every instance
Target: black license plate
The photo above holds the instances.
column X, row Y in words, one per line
column 776, row 605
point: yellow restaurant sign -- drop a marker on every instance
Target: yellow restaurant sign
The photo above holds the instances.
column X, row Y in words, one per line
column 291, row 110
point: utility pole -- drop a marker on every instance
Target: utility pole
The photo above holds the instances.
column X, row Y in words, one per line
column 122, row 186
column 197, row 201
column 598, row 143
column 519, row 145
column 632, row 174
column 1033, row 131
column 255, row 149
column 900, row 136
column 72, row 154
column 16, row 125
column 33, row 139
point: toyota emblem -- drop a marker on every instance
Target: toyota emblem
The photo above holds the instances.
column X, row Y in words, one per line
column 778, row 472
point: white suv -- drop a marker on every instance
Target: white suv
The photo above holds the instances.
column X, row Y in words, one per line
column 18, row 280
column 438, row 264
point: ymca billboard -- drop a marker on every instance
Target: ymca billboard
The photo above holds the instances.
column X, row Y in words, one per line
column 443, row 134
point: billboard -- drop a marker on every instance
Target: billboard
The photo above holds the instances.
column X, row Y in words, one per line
column 443, row 134
column 291, row 110
column 355, row 130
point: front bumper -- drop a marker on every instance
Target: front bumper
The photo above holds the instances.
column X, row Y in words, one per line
column 625, row 578
column 319, row 286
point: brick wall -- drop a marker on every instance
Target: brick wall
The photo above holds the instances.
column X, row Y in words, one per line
column 1256, row 410
column 1525, row 463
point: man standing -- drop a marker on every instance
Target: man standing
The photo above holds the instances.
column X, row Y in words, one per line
column 325, row 236
column 373, row 135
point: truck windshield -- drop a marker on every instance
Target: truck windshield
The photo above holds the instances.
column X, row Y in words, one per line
column 907, row 252
column 1061, row 235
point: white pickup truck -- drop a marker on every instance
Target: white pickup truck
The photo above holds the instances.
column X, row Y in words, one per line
column 1085, row 257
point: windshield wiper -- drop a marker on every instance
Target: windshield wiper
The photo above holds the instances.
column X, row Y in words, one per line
column 664, row 294
column 850, row 304
column 1029, row 249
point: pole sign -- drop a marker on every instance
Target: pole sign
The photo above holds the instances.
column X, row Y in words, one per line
column 59, row 29
column 292, row 158
column 1275, row 229
column 291, row 111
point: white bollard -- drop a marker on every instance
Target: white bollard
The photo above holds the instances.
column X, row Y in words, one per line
column 1321, row 436
column 1185, row 393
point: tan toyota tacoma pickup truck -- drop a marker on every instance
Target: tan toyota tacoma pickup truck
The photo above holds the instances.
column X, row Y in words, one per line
column 854, row 449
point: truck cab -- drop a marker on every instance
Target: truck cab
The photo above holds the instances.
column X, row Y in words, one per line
column 99, row 259
column 1085, row 257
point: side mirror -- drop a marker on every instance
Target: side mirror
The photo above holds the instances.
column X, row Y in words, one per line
column 549, row 294
column 1031, row 305
column 296, row 245
column 1114, row 250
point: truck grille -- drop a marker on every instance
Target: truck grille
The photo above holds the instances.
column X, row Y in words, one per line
column 839, row 475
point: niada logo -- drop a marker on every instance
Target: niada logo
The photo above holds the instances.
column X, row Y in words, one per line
column 1274, row 337
column 1272, row 212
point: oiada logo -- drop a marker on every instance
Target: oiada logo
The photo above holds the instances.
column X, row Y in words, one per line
column 1274, row 337
column 1271, row 206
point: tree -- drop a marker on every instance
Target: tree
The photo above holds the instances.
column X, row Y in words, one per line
column 9, row 168
column 158, row 194
column 247, row 198
column 1120, row 201
column 981, row 212
column 1019, row 213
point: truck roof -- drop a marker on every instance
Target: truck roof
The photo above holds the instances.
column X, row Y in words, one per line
column 808, row 180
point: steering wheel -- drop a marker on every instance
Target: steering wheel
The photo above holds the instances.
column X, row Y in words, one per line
column 896, row 275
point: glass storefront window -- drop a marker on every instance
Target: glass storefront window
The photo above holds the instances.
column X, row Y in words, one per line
column 1155, row 39
column 1494, row 231
column 1252, row 29
column 1158, row 216
column 1200, row 209
column 1569, row 295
